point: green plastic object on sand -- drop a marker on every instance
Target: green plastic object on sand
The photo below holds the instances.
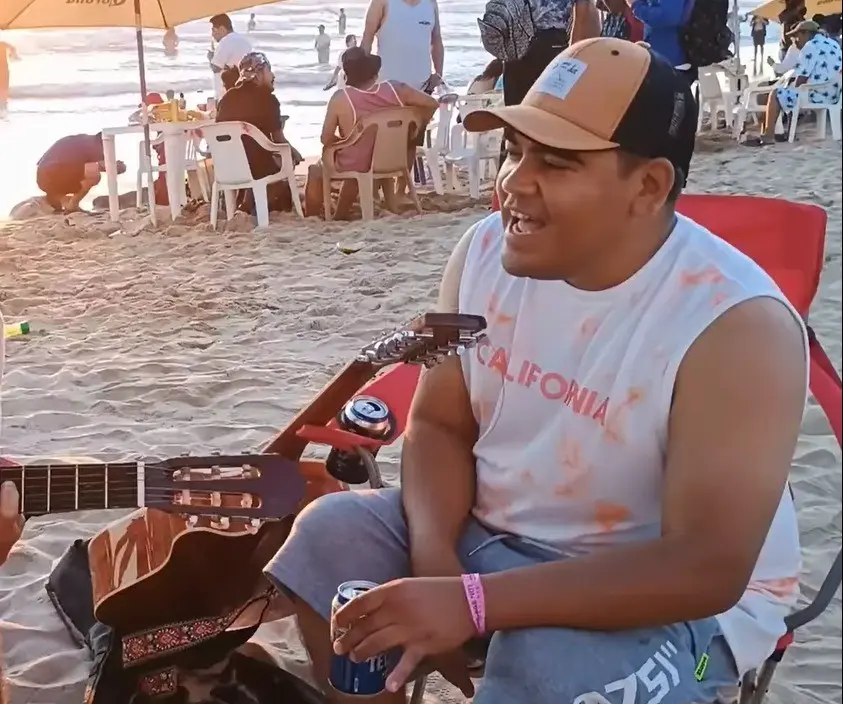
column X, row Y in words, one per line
column 16, row 329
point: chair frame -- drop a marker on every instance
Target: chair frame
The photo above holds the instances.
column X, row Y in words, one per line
column 826, row 386
column 366, row 179
column 258, row 186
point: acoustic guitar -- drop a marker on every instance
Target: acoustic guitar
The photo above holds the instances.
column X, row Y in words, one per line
column 195, row 553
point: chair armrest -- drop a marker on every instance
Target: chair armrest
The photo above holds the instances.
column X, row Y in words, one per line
column 823, row 598
column 264, row 142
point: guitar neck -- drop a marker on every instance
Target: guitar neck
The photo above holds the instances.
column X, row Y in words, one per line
column 322, row 409
column 58, row 488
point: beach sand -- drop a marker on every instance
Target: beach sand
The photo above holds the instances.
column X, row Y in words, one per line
column 157, row 343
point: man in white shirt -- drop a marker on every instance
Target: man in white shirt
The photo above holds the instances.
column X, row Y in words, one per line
column 323, row 46
column 409, row 41
column 231, row 48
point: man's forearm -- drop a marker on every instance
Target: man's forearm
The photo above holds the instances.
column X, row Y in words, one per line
column 437, row 490
column 631, row 586
column 437, row 56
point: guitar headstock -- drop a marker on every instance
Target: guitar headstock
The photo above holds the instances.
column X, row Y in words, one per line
column 425, row 340
column 250, row 488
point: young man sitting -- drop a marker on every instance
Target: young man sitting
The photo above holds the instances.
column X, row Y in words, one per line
column 70, row 169
column 362, row 95
column 598, row 490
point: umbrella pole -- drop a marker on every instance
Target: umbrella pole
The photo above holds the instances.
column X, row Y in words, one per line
column 147, row 148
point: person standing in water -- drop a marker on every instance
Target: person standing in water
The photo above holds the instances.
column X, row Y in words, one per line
column 7, row 53
column 341, row 20
column 252, row 23
column 758, row 27
column 409, row 41
column 171, row 42
column 323, row 46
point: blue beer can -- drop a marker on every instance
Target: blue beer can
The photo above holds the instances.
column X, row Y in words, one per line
column 365, row 678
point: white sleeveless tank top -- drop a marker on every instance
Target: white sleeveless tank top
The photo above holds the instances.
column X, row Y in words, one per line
column 404, row 42
column 572, row 390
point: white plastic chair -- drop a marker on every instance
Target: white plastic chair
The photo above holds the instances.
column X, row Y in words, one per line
column 479, row 153
column 714, row 98
column 191, row 163
column 437, row 141
column 393, row 128
column 232, row 171
column 826, row 112
column 749, row 106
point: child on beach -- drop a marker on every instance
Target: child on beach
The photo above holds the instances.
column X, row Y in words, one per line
column 338, row 77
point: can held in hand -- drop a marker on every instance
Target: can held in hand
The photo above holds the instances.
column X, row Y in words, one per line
column 365, row 678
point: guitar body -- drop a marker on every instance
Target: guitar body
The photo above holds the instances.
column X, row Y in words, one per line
column 153, row 567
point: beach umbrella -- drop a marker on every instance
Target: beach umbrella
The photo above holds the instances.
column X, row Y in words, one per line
column 773, row 8
column 140, row 14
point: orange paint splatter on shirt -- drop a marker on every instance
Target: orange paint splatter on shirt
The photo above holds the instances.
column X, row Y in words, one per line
column 718, row 299
column 589, row 327
column 615, row 427
column 782, row 589
column 608, row 515
column 708, row 276
column 575, row 470
column 494, row 314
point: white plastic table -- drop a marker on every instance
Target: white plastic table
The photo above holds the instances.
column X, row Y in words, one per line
column 175, row 136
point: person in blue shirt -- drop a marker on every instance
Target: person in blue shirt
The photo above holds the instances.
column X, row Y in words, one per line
column 663, row 22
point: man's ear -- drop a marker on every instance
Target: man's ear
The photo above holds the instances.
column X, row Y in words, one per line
column 654, row 182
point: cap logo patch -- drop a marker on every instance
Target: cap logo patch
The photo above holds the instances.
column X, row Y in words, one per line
column 558, row 79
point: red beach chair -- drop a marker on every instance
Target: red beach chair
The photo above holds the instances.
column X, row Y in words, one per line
column 787, row 240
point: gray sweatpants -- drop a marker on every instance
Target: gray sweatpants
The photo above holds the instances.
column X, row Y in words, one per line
column 363, row 535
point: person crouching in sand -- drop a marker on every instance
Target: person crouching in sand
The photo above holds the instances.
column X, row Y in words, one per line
column 70, row 169
column 363, row 95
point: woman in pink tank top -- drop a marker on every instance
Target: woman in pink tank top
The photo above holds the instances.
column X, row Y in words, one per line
column 362, row 96
column 363, row 102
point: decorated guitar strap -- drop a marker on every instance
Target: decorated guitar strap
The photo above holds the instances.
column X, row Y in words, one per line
column 152, row 647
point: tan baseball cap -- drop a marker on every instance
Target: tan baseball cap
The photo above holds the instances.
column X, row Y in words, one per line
column 804, row 26
column 601, row 94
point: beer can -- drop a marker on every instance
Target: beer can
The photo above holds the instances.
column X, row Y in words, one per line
column 366, row 678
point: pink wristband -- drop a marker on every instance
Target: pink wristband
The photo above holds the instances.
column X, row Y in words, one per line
column 476, row 601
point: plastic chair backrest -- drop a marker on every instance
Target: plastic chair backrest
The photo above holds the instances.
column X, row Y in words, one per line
column 710, row 88
column 442, row 132
column 785, row 239
column 392, row 138
column 231, row 166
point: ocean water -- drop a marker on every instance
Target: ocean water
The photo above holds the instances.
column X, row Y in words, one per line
column 69, row 82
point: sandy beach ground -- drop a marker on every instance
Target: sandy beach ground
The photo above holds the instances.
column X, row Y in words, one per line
column 158, row 343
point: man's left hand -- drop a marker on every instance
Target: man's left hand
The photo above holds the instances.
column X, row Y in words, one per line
column 422, row 616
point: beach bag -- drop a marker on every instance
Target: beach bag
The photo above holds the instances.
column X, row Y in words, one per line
column 507, row 28
column 706, row 36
